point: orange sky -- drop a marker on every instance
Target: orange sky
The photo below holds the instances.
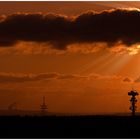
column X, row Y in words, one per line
column 75, row 80
column 68, row 8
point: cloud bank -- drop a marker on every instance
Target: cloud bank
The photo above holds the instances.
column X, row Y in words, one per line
column 112, row 26
column 21, row 78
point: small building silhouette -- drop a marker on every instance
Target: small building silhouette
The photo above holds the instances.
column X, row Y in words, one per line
column 12, row 106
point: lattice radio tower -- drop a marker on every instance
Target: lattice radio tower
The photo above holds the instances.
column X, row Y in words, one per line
column 43, row 107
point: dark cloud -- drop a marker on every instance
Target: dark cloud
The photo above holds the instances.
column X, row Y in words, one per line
column 108, row 26
column 127, row 79
column 72, row 76
column 137, row 80
column 20, row 78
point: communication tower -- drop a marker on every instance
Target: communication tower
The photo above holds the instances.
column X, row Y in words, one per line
column 133, row 101
column 43, row 107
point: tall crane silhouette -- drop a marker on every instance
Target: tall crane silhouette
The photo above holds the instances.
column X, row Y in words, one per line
column 133, row 100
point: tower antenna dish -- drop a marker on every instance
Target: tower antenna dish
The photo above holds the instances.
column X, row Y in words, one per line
column 133, row 100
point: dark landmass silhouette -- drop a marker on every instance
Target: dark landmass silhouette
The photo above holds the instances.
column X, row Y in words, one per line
column 19, row 112
column 102, row 126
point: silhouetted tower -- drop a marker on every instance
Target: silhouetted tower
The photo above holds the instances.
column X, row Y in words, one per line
column 43, row 106
column 133, row 101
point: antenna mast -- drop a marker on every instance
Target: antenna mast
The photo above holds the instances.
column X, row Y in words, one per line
column 43, row 106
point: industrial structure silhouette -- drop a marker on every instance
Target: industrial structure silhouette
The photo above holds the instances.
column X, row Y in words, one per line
column 12, row 106
column 43, row 107
column 133, row 101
